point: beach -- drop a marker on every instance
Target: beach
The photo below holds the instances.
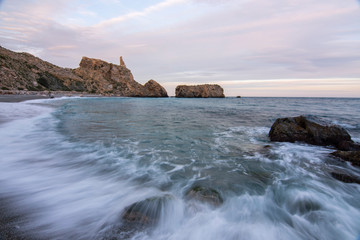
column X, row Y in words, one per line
column 20, row 98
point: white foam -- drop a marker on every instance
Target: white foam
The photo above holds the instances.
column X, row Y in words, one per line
column 74, row 190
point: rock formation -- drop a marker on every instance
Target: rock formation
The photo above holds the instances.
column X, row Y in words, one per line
column 350, row 156
column 303, row 130
column 148, row 211
column 122, row 63
column 205, row 195
column 154, row 89
column 23, row 71
column 199, row 91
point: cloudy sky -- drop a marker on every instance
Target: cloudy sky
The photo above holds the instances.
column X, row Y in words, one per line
column 250, row 47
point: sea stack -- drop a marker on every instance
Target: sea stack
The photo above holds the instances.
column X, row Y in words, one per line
column 199, row 91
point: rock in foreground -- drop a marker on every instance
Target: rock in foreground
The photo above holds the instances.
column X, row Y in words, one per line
column 199, row 91
column 206, row 195
column 148, row 211
column 303, row 130
column 350, row 156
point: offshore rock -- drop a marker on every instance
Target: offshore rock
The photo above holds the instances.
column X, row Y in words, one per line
column 23, row 71
column 303, row 130
column 154, row 89
column 207, row 195
column 199, row 91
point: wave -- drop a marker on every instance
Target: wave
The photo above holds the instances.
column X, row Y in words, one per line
column 67, row 186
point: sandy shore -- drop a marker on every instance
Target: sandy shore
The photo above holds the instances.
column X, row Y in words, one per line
column 20, row 98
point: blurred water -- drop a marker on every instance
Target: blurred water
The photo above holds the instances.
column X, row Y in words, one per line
column 71, row 166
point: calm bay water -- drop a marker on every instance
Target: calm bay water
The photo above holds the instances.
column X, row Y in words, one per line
column 71, row 166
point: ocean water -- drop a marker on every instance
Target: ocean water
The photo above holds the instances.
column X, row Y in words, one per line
column 70, row 167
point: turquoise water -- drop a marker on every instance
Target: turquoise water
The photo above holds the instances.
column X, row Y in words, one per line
column 72, row 166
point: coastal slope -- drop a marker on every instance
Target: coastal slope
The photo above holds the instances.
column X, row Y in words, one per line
column 25, row 72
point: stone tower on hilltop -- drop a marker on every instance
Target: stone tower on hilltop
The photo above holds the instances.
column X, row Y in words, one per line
column 122, row 63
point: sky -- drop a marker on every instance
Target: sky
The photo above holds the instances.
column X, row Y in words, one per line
column 279, row 48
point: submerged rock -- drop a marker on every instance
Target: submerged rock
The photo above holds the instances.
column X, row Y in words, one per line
column 146, row 212
column 199, row 91
column 346, row 178
column 303, row 130
column 350, row 156
column 207, row 195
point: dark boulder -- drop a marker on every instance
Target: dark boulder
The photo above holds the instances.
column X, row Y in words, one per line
column 348, row 146
column 303, row 130
column 350, row 156
column 206, row 195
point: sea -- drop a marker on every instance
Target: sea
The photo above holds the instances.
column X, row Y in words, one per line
column 71, row 167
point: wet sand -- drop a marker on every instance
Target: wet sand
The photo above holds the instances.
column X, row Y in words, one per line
column 20, row 98
column 10, row 220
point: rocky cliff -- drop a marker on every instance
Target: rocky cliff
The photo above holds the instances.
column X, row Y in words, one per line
column 23, row 71
column 200, row 91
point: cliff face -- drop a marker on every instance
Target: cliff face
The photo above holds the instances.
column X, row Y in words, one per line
column 199, row 91
column 23, row 71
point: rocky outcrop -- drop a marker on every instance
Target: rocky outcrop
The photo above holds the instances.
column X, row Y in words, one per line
column 148, row 211
column 154, row 89
column 23, row 71
column 205, row 195
column 199, row 91
column 303, row 130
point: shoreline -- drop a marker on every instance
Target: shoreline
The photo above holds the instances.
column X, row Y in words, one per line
column 19, row 98
column 21, row 95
